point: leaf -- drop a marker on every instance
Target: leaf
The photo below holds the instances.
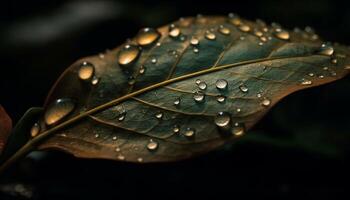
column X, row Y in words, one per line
column 20, row 133
column 183, row 89
column 5, row 127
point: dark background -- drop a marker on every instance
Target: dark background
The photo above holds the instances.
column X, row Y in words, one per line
column 40, row 38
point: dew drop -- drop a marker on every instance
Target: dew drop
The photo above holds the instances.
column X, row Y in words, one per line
column 306, row 82
column 326, row 50
column 195, row 50
column 221, row 98
column 174, row 31
column 198, row 81
column 263, row 39
column 194, row 41
column 244, row 28
column 147, row 36
column 221, row 84
column 140, row 160
column 86, row 71
column 242, row 38
column 176, row 129
column 334, row 61
column 95, row 80
column 34, row 131
column 97, row 135
column 202, row 85
column 190, row 132
column 177, row 101
column 321, row 76
column 235, row 20
column 266, row 102
column 258, row 33
column 121, row 157
column 224, row 30
column 152, row 145
column 259, row 95
column 238, row 130
column 243, row 88
column 238, row 110
column 142, row 69
column 159, row 115
column 117, row 149
column 128, row 54
column 198, row 96
column 311, row 74
column 114, row 138
column 58, row 110
column 222, row 119
column 154, row 60
column 283, row 35
column 210, row 35
column 131, row 80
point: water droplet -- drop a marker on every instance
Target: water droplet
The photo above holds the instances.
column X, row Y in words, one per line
column 306, row 82
column 311, row 74
column 242, row 38
column 142, row 69
column 221, row 84
column 321, row 76
column 34, row 131
column 190, row 132
column 159, row 115
column 152, row 145
column 131, row 80
column 238, row 130
column 347, row 67
column 258, row 33
column 244, row 28
column 128, row 54
column 326, row 50
column 210, row 35
column 235, row 20
column 147, row 36
column 114, row 138
column 117, row 149
column 334, row 61
column 202, row 85
column 222, row 119
column 176, row 129
column 58, row 110
column 266, row 102
column 154, row 60
column 198, row 81
column 177, row 101
column 140, row 160
column 283, row 35
column 194, row 41
column 199, row 96
column 121, row 157
column 97, row 135
column 325, row 68
column 224, row 30
column 220, row 98
column 261, row 43
column 238, row 110
column 259, row 95
column 86, row 71
column 158, row 44
column 195, row 50
column 174, row 31
column 263, row 39
column 243, row 88
column 95, row 80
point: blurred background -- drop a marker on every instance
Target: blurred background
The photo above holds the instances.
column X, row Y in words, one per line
column 40, row 38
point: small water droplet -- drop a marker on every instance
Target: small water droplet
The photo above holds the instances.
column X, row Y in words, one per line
column 321, row 76
column 221, row 98
column 347, row 67
column 306, row 82
column 261, row 43
column 177, row 101
column 128, row 54
column 114, row 138
column 190, row 132
column 159, row 115
column 86, row 71
column 117, row 149
column 176, row 129
column 325, row 68
column 140, row 159
column 152, row 145
column 199, row 96
column 195, row 50
column 311, row 74
column 97, row 135
column 194, row 41
column 158, row 44
column 142, row 69
column 235, row 20
column 224, row 30
column 263, row 39
column 266, row 102
column 238, row 110
column 58, row 110
column 131, row 80
column 34, row 131
column 326, row 50
column 154, row 60
column 243, row 88
column 221, row 84
column 210, row 35
column 259, row 95
column 258, row 33
column 95, row 80
column 334, row 61
column 238, row 130
column 174, row 31
column 283, row 35
column 121, row 157
column 244, row 28
column 202, row 85
column 222, row 119
column 101, row 55
column 198, row 81
column 147, row 36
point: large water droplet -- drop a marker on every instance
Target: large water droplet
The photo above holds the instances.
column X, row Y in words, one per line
column 152, row 145
column 194, row 41
column 221, row 84
column 326, row 50
column 266, row 102
column 34, row 131
column 244, row 28
column 174, row 31
column 224, row 30
column 283, row 35
column 222, row 119
column 128, row 54
column 221, row 98
column 210, row 35
column 202, row 85
column 199, row 96
column 86, row 71
column 190, row 132
column 58, row 110
column 147, row 36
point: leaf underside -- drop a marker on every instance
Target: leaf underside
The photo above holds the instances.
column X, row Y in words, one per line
column 269, row 70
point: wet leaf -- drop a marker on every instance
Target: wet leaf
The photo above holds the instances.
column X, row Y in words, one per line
column 5, row 127
column 183, row 89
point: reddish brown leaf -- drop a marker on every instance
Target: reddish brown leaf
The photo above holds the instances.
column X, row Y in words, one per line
column 5, row 127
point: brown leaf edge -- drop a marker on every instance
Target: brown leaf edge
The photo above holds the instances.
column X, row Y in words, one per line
column 5, row 127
